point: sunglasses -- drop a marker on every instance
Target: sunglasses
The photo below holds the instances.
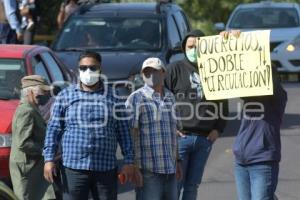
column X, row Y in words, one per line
column 91, row 67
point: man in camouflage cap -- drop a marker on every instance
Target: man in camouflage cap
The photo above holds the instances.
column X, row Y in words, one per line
column 28, row 134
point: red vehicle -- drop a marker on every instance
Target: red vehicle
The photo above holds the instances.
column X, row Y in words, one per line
column 17, row 61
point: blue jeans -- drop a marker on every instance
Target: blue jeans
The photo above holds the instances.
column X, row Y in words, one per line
column 157, row 187
column 78, row 183
column 194, row 152
column 256, row 181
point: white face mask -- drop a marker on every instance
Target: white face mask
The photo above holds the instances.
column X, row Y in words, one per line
column 89, row 77
column 154, row 79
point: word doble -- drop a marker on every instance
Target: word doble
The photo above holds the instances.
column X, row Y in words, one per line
column 235, row 67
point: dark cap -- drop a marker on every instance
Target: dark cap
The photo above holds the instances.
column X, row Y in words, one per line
column 35, row 80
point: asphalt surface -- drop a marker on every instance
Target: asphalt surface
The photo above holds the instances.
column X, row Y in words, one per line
column 218, row 180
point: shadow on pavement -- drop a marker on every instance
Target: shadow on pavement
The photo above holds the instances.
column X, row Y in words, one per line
column 291, row 121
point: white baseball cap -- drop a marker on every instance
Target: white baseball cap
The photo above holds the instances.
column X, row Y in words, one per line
column 154, row 63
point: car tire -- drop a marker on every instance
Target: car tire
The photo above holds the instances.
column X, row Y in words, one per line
column 6, row 193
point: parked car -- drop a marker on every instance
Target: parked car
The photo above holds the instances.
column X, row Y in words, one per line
column 125, row 34
column 17, row 61
column 283, row 21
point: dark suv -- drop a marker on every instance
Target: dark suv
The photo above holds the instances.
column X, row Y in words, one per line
column 125, row 34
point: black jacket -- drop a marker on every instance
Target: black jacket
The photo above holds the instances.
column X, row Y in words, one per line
column 198, row 115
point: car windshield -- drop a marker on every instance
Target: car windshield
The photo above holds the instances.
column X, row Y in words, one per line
column 111, row 33
column 11, row 73
column 265, row 18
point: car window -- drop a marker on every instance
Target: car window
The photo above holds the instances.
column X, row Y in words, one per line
column 182, row 23
column 39, row 68
column 111, row 33
column 265, row 18
column 53, row 67
column 11, row 73
column 173, row 32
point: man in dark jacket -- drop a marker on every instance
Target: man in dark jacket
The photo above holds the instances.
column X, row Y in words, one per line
column 257, row 148
column 201, row 119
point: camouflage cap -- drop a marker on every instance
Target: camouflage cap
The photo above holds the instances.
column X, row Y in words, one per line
column 35, row 80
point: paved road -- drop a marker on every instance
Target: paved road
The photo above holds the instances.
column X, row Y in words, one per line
column 218, row 181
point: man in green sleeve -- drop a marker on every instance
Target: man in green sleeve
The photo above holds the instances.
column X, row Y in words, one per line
column 28, row 134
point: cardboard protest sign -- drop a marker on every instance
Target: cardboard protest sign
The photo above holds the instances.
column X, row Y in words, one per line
column 235, row 67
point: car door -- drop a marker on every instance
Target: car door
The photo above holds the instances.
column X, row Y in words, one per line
column 39, row 67
column 182, row 23
column 174, row 38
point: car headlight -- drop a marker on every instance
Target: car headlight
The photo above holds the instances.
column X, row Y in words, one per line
column 137, row 81
column 294, row 44
column 5, row 140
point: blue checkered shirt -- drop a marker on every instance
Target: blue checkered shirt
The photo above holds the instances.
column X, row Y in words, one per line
column 155, row 142
column 88, row 126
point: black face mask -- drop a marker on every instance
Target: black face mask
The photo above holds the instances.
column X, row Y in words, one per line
column 42, row 99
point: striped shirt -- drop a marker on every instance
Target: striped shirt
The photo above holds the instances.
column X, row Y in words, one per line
column 88, row 127
column 155, row 142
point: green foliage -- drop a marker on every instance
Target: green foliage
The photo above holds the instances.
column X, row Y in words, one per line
column 49, row 11
column 204, row 13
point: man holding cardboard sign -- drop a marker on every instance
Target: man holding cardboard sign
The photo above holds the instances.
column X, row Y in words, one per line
column 235, row 67
column 240, row 67
column 257, row 147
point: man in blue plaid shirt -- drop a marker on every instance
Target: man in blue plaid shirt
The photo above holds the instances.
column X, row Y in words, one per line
column 85, row 122
column 154, row 130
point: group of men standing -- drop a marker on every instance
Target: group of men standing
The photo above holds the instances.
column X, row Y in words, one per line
column 165, row 131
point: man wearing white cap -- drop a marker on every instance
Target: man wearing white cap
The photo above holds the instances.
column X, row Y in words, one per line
column 154, row 126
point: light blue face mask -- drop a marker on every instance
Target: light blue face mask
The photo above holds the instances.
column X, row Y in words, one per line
column 191, row 55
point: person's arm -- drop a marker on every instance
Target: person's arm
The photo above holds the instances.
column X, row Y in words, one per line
column 25, row 132
column 10, row 7
column 55, row 129
column 170, row 77
column 61, row 16
column 123, row 134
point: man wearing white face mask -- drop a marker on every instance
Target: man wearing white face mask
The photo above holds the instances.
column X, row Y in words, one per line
column 84, row 121
column 154, row 126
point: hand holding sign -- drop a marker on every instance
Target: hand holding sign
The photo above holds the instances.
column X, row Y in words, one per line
column 235, row 66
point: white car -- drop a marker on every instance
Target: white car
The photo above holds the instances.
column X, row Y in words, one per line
column 283, row 19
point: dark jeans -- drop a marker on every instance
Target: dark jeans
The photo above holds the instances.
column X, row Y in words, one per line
column 157, row 187
column 7, row 35
column 78, row 183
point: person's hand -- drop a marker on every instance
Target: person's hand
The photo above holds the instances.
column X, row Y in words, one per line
column 62, row 7
column 24, row 11
column 50, row 171
column 129, row 172
column 181, row 134
column 213, row 136
column 20, row 36
column 138, row 178
column 179, row 172
column 235, row 33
